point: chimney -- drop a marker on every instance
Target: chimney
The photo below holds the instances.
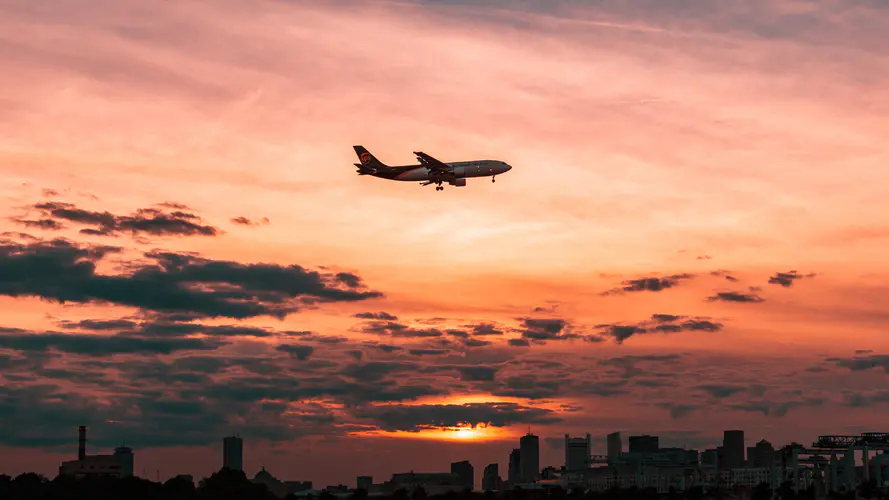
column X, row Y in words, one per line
column 81, row 450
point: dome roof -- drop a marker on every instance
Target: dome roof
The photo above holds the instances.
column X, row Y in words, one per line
column 263, row 475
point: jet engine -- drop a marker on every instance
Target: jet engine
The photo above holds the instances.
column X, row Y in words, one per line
column 458, row 182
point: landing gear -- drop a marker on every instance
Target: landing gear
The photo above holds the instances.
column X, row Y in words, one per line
column 493, row 178
column 439, row 188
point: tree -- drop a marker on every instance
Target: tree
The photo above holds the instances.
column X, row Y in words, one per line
column 762, row 491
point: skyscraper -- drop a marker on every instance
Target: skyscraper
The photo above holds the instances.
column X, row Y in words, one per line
column 515, row 467
column 491, row 478
column 577, row 453
column 529, row 450
column 615, row 445
column 733, row 442
column 233, row 453
column 465, row 472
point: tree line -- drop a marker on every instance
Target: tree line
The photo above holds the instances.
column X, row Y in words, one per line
column 233, row 485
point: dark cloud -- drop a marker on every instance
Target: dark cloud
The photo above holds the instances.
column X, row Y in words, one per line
column 863, row 362
column 150, row 221
column 98, row 345
column 659, row 323
column 677, row 410
column 721, row 391
column 519, row 342
column 787, row 279
column 544, row 329
column 244, row 221
column 395, row 329
column 724, row 274
column 377, row 315
column 300, row 352
column 415, row 418
column 735, row 297
column 63, row 271
column 650, row 284
column 529, row 386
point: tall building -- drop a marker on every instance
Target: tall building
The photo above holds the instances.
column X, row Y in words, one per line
column 763, row 454
column 491, row 478
column 644, row 444
column 577, row 453
column 233, row 453
column 733, row 443
column 615, row 445
column 529, row 451
column 465, row 472
column 515, row 467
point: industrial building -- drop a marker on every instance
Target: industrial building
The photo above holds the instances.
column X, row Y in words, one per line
column 233, row 453
column 120, row 464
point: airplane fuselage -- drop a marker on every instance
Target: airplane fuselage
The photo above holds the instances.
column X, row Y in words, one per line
column 462, row 170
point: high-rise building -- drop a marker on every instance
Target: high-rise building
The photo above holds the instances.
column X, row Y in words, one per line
column 529, row 449
column 491, row 478
column 644, row 444
column 763, row 454
column 515, row 467
column 615, row 445
column 733, row 442
column 465, row 472
column 233, row 453
column 577, row 453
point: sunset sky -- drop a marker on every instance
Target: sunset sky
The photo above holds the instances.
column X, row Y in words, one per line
column 693, row 236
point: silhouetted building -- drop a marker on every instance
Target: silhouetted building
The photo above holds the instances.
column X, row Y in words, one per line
column 491, row 478
column 761, row 455
column 615, row 445
column 733, row 442
column 120, row 464
column 465, row 472
column 529, row 449
column 577, row 453
column 280, row 488
column 515, row 467
column 709, row 458
column 434, row 483
column 364, row 483
column 644, row 444
column 233, row 453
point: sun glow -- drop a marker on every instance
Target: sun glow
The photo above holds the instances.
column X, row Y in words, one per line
column 464, row 433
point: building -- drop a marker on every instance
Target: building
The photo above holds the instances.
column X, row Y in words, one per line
column 529, row 452
column 280, row 488
column 577, row 453
column 465, row 472
column 644, row 444
column 233, row 453
column 491, row 478
column 733, row 442
column 364, row 483
column 761, row 455
column 615, row 445
column 515, row 467
column 120, row 464
column 434, row 483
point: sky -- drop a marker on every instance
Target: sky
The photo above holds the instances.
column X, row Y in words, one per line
column 692, row 238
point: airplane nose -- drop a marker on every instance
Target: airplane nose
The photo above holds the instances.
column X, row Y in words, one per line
column 507, row 167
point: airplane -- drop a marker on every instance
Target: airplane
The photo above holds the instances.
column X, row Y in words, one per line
column 430, row 170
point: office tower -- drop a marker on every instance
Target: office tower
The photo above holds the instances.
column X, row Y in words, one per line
column 529, row 451
column 615, row 446
column 465, row 472
column 644, row 444
column 577, row 453
column 491, row 478
column 763, row 454
column 233, row 453
column 364, row 483
column 515, row 467
column 733, row 442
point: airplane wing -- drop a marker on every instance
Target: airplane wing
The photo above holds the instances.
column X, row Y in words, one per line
column 433, row 164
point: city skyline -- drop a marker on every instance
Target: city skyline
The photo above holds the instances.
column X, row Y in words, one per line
column 692, row 238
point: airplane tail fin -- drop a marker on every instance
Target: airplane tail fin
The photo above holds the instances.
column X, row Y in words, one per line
column 369, row 163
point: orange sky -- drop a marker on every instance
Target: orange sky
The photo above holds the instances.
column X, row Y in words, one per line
column 652, row 141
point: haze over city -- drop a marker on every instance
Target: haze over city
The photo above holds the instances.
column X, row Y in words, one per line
column 692, row 237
